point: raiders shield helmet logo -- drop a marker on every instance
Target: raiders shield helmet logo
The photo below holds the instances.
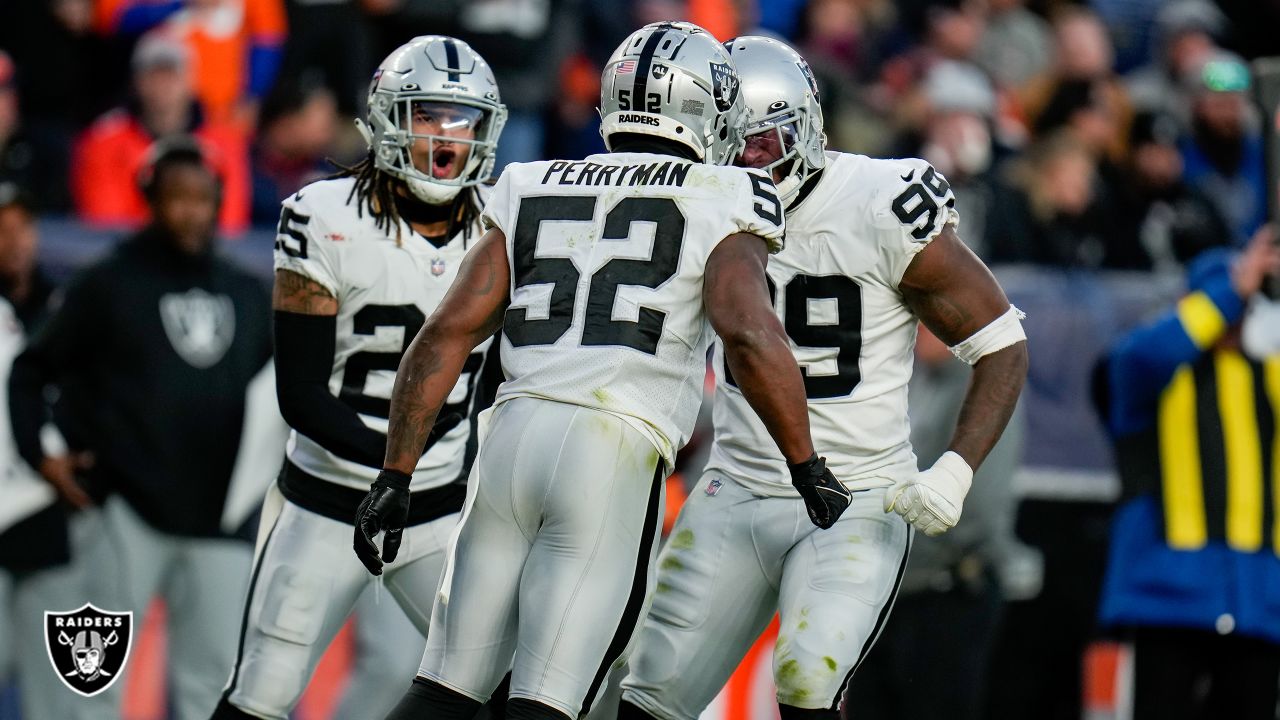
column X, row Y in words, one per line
column 200, row 325
column 724, row 85
column 88, row 647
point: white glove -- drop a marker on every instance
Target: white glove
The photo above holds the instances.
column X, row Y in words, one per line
column 933, row 498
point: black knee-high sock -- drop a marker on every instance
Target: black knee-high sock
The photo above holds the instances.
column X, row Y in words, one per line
column 627, row 711
column 429, row 699
column 794, row 713
column 525, row 709
column 227, row 711
column 496, row 708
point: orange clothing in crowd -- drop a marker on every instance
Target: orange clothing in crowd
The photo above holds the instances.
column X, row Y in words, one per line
column 110, row 153
column 226, row 39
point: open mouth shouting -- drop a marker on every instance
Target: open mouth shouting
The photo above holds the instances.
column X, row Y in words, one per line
column 445, row 162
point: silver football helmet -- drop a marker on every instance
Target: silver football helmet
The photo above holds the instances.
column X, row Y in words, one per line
column 673, row 80
column 782, row 98
column 443, row 81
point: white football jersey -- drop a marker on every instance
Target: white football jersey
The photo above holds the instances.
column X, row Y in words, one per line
column 835, row 286
column 385, row 293
column 607, row 257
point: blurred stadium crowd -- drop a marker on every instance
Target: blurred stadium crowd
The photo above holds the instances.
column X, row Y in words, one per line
column 1052, row 115
column 1095, row 147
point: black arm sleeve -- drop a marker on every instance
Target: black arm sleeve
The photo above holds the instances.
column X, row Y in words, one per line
column 304, row 361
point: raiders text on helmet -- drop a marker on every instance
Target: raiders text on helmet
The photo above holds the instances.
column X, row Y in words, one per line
column 673, row 80
column 781, row 97
column 433, row 69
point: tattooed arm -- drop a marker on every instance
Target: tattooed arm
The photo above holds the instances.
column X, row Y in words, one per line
column 305, row 331
column 954, row 295
column 471, row 311
column 297, row 293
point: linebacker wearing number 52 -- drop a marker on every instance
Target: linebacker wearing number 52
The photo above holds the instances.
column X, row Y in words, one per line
column 871, row 249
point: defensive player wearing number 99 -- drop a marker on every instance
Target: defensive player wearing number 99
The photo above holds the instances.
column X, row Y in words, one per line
column 871, row 248
column 361, row 260
column 606, row 277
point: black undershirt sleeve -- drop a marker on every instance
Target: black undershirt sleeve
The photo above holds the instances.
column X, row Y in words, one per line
column 305, row 346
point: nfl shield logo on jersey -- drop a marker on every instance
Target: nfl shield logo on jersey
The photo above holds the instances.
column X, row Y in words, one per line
column 713, row 487
column 437, row 267
column 88, row 647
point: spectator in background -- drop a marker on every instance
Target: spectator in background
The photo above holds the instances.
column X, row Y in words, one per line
column 1016, row 45
column 1186, row 34
column 1132, row 25
column 47, row 40
column 160, row 340
column 1223, row 154
column 1082, row 54
column 22, row 283
column 525, row 44
column 1195, row 546
column 110, row 153
column 299, row 129
column 35, row 548
column 331, row 41
column 953, row 30
column 236, row 46
column 1095, row 112
column 1046, row 211
column 1158, row 218
column 958, row 141
column 17, row 158
column 931, row 661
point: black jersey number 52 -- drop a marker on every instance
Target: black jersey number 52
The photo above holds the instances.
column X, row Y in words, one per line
column 600, row 327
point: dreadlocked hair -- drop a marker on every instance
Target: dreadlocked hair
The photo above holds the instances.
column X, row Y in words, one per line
column 375, row 191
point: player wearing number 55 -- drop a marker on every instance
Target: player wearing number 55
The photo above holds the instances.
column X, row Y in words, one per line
column 606, row 277
column 871, row 249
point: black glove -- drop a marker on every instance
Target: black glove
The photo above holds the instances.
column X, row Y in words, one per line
column 825, row 497
column 385, row 507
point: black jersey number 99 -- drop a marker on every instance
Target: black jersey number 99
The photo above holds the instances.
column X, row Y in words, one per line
column 844, row 335
column 600, row 326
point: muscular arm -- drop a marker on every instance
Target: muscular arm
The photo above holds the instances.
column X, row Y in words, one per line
column 305, row 333
column 954, row 295
column 471, row 311
column 756, row 348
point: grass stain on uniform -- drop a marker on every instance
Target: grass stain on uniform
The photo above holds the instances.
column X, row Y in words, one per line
column 830, row 661
column 602, row 396
column 662, row 588
column 804, row 625
column 671, row 562
column 683, row 540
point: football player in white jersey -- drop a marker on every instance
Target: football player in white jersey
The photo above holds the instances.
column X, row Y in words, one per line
column 871, row 248
column 606, row 277
column 361, row 260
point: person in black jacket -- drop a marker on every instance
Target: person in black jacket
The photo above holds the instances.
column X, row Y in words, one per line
column 158, row 342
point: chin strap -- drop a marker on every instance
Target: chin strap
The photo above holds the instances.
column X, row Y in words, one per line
column 414, row 210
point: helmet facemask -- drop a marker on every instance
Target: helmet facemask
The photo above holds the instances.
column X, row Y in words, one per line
column 445, row 132
column 791, row 129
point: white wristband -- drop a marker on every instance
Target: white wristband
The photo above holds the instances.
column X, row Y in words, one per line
column 997, row 335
